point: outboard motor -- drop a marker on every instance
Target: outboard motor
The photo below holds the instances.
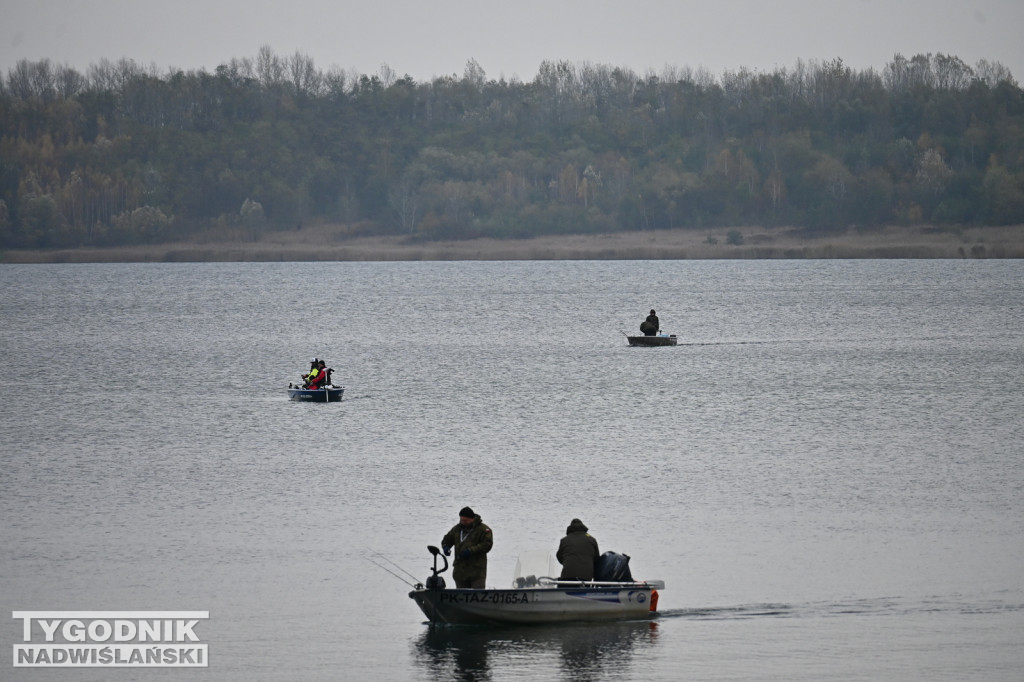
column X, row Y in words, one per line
column 436, row 582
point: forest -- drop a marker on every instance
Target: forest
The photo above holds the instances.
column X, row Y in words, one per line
column 124, row 154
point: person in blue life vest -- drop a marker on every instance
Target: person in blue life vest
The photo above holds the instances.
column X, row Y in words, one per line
column 471, row 539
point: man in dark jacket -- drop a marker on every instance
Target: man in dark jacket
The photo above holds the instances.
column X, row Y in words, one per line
column 472, row 540
column 577, row 552
column 651, row 325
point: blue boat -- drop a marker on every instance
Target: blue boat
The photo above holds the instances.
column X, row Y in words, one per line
column 331, row 394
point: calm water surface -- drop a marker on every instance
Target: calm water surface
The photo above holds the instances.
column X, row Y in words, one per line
column 827, row 471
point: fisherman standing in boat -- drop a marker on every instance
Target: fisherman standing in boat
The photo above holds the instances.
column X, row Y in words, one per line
column 651, row 325
column 577, row 552
column 472, row 540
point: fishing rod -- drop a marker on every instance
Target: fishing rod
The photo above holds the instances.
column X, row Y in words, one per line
column 393, row 563
column 381, row 566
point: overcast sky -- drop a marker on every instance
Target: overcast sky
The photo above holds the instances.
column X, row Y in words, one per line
column 511, row 38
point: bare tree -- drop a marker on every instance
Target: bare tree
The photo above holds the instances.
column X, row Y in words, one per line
column 993, row 73
column 304, row 77
column 387, row 75
column 951, row 73
column 933, row 174
column 269, row 69
column 335, row 83
column 404, row 201
column 475, row 75
column 68, row 81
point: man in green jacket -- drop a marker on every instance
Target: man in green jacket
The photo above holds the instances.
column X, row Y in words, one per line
column 651, row 325
column 472, row 540
column 577, row 552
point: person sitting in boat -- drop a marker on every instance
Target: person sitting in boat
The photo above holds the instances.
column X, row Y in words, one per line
column 322, row 374
column 577, row 552
column 651, row 325
column 472, row 540
column 314, row 369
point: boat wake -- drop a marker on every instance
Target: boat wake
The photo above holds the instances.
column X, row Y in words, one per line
column 724, row 343
column 746, row 342
column 882, row 606
column 729, row 612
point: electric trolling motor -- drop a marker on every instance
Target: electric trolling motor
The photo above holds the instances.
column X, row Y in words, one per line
column 436, row 582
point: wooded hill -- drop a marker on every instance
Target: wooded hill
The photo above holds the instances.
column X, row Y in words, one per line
column 125, row 155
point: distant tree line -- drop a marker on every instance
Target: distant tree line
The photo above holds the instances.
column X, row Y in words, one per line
column 122, row 154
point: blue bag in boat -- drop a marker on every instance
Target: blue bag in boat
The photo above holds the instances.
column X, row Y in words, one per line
column 613, row 567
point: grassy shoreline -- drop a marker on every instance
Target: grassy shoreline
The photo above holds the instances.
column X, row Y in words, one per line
column 330, row 242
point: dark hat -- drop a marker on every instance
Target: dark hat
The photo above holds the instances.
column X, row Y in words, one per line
column 652, row 311
column 576, row 525
column 467, row 512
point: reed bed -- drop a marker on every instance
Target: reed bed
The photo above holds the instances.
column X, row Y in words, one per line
column 331, row 243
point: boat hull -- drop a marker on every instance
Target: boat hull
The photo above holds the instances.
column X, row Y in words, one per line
column 535, row 605
column 670, row 340
column 318, row 395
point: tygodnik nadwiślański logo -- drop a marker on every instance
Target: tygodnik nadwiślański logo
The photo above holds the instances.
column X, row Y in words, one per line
column 110, row 639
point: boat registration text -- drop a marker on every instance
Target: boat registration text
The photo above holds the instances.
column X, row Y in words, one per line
column 484, row 597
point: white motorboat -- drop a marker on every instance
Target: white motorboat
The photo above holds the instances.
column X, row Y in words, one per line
column 534, row 599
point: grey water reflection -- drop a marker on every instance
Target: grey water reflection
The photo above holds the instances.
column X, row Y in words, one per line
column 580, row 651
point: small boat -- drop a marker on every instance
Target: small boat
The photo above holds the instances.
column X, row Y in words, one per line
column 330, row 394
column 534, row 600
column 658, row 340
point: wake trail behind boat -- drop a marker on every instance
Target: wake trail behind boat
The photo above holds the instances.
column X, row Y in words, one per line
column 881, row 606
column 745, row 342
column 730, row 612
column 723, row 343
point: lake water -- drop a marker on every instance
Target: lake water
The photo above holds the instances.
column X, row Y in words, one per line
column 828, row 471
